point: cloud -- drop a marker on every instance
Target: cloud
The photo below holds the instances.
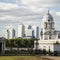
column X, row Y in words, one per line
column 8, row 1
column 8, row 6
column 13, row 12
column 27, row 10
column 58, row 14
column 41, row 3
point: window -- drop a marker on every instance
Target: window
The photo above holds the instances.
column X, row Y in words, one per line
column 48, row 20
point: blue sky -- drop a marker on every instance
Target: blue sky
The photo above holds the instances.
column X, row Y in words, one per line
column 28, row 12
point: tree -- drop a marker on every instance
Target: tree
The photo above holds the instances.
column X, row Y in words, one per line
column 18, row 43
column 11, row 44
column 36, row 51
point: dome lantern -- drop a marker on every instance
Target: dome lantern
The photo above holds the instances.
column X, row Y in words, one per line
column 47, row 17
column 47, row 27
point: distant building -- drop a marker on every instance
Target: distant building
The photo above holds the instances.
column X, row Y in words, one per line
column 29, row 32
column 9, row 32
column 21, row 31
column 37, row 32
column 13, row 33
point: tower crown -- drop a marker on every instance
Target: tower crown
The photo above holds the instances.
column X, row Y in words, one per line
column 47, row 27
column 47, row 17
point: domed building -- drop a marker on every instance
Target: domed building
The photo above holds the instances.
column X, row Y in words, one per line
column 47, row 28
column 49, row 37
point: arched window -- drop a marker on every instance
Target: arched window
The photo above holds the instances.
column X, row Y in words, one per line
column 48, row 20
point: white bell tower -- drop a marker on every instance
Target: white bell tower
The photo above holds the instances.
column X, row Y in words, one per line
column 47, row 27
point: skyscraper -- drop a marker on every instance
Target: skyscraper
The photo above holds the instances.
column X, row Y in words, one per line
column 13, row 33
column 29, row 32
column 21, row 30
column 9, row 32
column 37, row 32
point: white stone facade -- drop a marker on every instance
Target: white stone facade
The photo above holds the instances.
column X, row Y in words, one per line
column 49, row 44
column 49, row 39
column 29, row 32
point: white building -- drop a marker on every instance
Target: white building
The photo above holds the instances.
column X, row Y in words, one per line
column 9, row 32
column 29, row 32
column 49, row 38
column 36, row 31
column 21, row 31
column 12, row 31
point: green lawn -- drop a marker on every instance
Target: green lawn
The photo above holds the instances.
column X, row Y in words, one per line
column 22, row 58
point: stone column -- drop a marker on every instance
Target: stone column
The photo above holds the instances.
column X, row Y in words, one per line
column 3, row 47
column 57, row 37
column 40, row 37
column 43, row 37
column 48, row 37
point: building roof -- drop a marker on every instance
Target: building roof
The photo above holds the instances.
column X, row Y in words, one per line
column 2, row 38
column 47, row 17
column 49, row 41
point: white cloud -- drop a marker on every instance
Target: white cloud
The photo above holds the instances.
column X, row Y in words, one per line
column 41, row 3
column 27, row 11
column 58, row 14
column 8, row 6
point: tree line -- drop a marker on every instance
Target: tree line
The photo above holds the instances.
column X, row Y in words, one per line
column 20, row 42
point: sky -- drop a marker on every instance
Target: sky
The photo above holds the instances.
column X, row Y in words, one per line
column 28, row 12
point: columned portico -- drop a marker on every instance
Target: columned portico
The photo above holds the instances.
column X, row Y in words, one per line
column 2, row 45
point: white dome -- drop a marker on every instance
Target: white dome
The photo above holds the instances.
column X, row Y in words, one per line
column 47, row 17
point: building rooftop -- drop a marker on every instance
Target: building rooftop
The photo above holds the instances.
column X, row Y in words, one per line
column 49, row 41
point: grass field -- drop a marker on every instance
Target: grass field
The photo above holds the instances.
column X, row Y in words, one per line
column 22, row 58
